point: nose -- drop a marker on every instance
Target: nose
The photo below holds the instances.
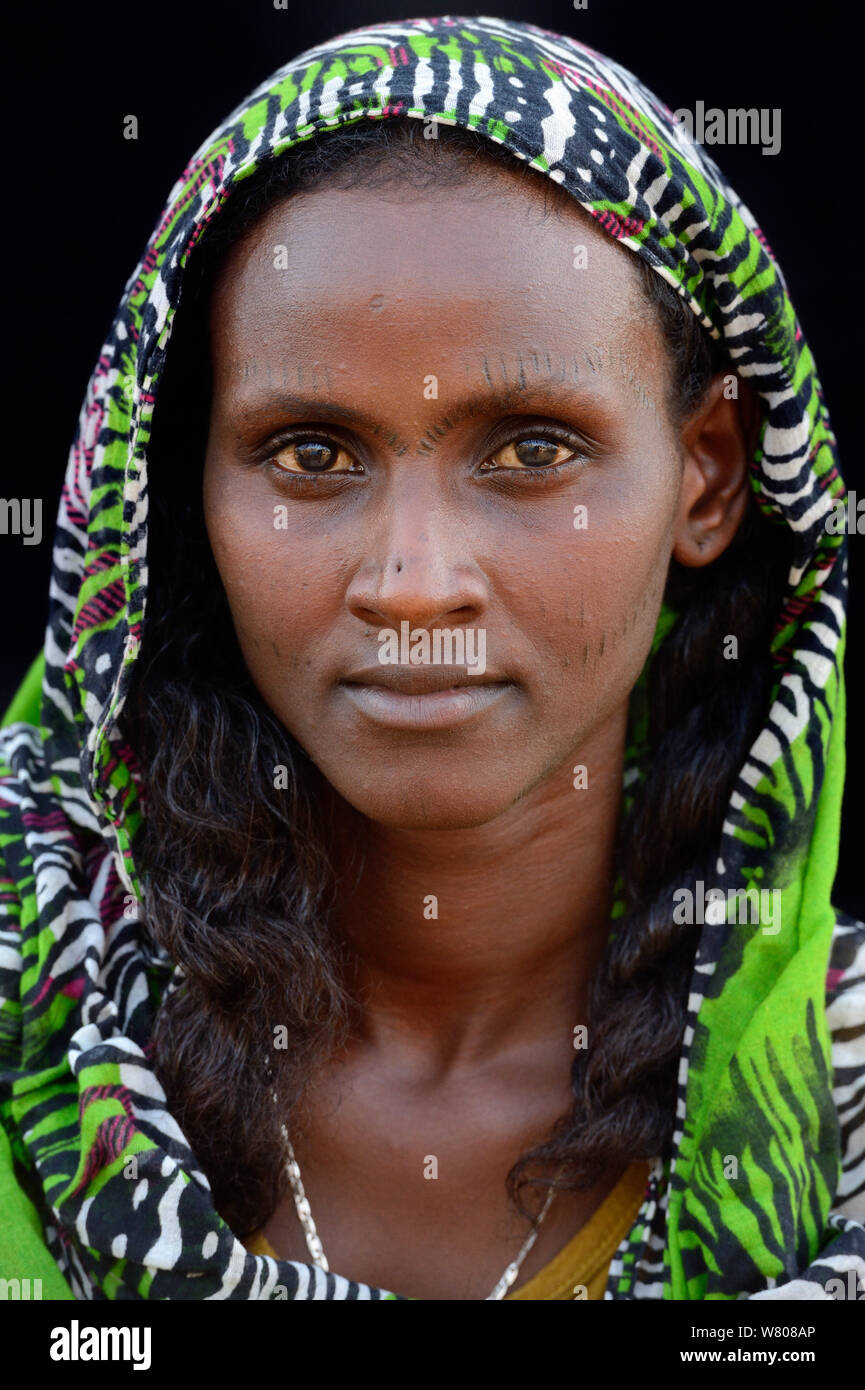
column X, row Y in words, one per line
column 418, row 566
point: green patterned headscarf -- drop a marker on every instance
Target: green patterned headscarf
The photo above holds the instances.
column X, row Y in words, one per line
column 758, row 1080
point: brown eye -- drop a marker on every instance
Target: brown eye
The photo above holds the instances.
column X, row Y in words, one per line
column 536, row 452
column 314, row 456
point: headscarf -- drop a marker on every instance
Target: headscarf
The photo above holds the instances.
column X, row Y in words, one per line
column 124, row 1208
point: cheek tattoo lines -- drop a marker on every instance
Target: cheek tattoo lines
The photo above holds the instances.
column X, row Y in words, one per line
column 606, row 645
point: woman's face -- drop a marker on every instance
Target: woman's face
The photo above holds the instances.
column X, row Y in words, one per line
column 434, row 410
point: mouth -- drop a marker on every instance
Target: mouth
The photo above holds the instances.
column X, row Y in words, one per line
column 422, row 698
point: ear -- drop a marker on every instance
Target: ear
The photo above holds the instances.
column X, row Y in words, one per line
column 717, row 444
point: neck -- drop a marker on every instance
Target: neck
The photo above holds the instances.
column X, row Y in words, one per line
column 466, row 943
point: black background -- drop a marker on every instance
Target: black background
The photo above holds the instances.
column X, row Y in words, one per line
column 81, row 202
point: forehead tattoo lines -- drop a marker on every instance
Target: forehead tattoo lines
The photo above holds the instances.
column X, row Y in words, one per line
column 508, row 385
column 286, row 388
column 306, row 376
column 508, row 381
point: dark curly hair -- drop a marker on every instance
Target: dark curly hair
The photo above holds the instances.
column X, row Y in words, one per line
column 237, row 883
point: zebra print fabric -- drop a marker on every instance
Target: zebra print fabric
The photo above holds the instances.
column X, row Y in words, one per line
column 765, row 1194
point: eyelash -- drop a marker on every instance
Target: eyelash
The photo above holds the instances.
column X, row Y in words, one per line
column 581, row 451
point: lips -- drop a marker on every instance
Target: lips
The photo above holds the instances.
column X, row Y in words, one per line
column 423, row 698
column 420, row 680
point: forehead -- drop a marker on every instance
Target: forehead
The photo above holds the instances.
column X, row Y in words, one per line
column 503, row 262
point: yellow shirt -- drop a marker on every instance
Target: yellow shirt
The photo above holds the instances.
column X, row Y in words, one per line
column 584, row 1262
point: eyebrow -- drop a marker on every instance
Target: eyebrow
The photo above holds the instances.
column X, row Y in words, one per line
column 484, row 400
column 313, row 407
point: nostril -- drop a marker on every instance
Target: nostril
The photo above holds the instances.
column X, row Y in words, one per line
column 399, row 566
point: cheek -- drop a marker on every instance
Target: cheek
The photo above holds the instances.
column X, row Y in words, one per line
column 626, row 573
column 592, row 602
column 277, row 588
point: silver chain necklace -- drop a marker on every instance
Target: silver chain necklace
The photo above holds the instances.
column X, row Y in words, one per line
column 316, row 1249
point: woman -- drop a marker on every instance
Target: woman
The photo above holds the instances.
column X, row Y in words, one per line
column 419, row 866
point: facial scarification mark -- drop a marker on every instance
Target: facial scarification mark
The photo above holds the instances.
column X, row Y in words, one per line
column 598, row 356
column 439, row 428
column 630, row 622
column 316, row 378
column 597, row 359
column 510, row 395
column 310, row 376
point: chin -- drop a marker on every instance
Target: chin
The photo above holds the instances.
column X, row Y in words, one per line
column 427, row 804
